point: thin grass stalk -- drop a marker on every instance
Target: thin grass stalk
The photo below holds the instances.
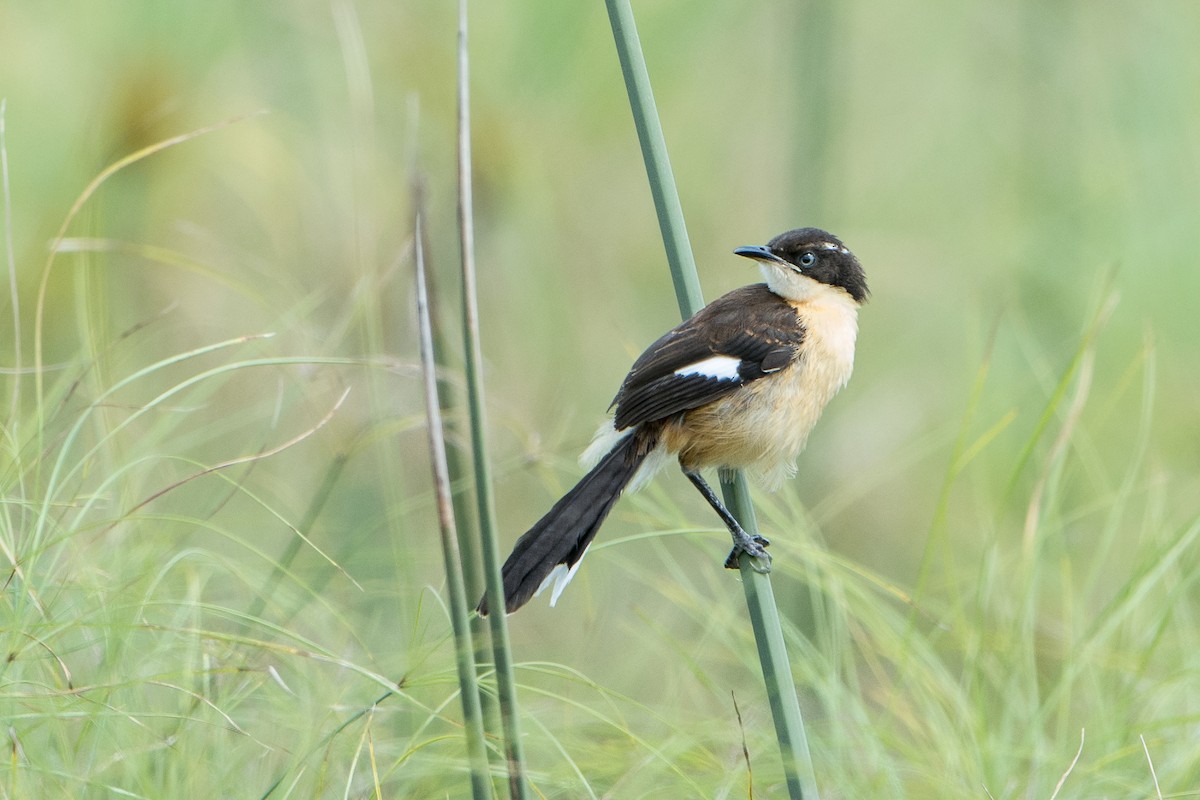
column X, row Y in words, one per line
column 458, row 459
column 456, row 456
column 458, row 462
column 486, row 517
column 324, row 742
column 760, row 599
column 315, row 506
column 481, row 784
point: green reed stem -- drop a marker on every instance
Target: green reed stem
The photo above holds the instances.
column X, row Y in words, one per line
column 760, row 600
column 485, row 501
column 481, row 784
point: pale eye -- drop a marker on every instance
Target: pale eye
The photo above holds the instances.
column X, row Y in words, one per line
column 807, row 260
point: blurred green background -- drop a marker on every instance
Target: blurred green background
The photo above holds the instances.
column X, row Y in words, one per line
column 992, row 524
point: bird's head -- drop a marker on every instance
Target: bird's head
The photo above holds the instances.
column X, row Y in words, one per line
column 793, row 261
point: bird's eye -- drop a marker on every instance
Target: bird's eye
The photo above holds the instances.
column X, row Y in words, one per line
column 807, row 260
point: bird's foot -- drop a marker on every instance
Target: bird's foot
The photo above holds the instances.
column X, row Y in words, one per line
column 754, row 546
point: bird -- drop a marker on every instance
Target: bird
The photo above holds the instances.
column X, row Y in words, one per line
column 739, row 385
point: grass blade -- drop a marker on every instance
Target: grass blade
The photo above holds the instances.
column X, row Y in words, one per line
column 84, row 196
column 760, row 599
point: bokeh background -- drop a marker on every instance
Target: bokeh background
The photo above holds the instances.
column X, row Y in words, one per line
column 989, row 543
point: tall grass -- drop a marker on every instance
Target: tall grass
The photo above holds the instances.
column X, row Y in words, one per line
column 135, row 664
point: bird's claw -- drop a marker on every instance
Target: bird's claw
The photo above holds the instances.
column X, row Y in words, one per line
column 754, row 546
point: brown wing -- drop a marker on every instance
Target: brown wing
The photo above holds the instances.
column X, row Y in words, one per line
column 737, row 338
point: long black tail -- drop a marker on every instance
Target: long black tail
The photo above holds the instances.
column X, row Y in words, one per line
column 562, row 536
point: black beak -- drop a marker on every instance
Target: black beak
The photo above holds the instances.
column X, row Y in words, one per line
column 760, row 254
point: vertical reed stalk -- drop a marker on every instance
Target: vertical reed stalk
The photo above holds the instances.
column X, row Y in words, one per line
column 481, row 784
column 497, row 622
column 654, row 152
column 760, row 600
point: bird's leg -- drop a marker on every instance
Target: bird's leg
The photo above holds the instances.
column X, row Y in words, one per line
column 754, row 546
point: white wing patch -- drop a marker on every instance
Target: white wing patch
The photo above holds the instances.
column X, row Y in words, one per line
column 723, row 368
